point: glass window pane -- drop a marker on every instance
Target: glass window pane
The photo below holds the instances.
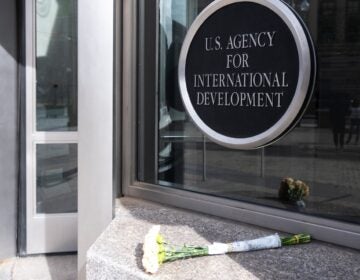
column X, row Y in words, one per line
column 323, row 150
column 56, row 178
column 56, row 65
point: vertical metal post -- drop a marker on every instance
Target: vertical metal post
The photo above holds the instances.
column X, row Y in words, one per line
column 262, row 162
column 204, row 157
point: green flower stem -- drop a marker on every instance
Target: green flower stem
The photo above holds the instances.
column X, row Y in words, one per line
column 295, row 239
column 173, row 254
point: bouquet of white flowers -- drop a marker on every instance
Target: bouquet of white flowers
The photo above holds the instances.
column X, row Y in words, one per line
column 157, row 251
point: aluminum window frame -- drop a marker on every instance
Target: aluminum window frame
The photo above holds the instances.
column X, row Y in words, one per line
column 328, row 230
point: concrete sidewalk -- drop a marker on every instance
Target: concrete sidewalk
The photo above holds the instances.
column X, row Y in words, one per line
column 117, row 253
column 50, row 267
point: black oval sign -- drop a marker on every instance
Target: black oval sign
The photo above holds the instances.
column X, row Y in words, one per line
column 246, row 70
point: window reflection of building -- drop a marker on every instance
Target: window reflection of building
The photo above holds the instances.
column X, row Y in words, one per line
column 315, row 151
column 56, row 64
column 338, row 53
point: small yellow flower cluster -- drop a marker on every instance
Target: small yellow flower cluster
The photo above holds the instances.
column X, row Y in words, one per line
column 293, row 190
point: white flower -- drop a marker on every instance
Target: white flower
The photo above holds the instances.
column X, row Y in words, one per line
column 150, row 259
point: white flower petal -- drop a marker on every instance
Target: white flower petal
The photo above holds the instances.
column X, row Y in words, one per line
column 150, row 259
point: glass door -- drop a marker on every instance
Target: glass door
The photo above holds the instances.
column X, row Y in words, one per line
column 51, row 126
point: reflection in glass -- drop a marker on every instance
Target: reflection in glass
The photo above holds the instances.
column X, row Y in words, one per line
column 56, row 178
column 56, row 65
column 323, row 150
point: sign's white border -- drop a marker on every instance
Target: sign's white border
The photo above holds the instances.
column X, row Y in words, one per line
column 293, row 23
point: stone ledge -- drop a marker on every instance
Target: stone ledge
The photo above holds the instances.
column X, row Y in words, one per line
column 118, row 251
